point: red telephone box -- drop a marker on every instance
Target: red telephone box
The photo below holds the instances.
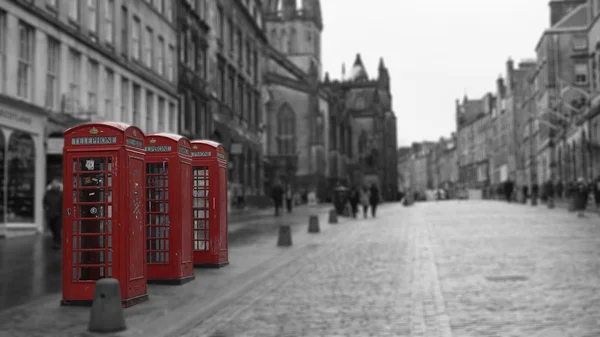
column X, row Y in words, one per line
column 169, row 210
column 103, row 211
column 210, row 204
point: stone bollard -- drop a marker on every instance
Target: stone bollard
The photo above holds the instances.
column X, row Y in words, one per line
column 347, row 211
column 333, row 217
column 285, row 236
column 313, row 224
column 107, row 310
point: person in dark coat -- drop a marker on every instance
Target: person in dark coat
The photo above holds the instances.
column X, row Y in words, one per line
column 597, row 192
column 354, row 200
column 53, row 201
column 289, row 197
column 374, row 199
column 277, row 196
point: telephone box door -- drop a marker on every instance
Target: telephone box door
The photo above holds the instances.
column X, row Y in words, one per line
column 222, row 195
column 137, row 246
column 89, row 180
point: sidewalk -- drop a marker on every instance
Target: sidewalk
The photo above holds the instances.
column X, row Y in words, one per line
column 171, row 307
column 29, row 268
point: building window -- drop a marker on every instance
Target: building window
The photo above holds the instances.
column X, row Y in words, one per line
column 230, row 35
column 581, row 73
column 159, row 5
column 74, row 79
column 148, row 45
column 52, row 73
column 183, row 112
column 109, row 20
column 3, row 35
column 580, row 43
column 137, row 95
column 135, row 38
column 231, row 96
column 191, row 51
column 221, row 81
column 286, row 131
column 124, row 31
column 74, row 10
column 125, row 100
column 24, row 73
column 109, row 83
column 204, row 121
column 160, row 59
column 170, row 67
column 92, row 86
column 20, row 187
column 255, row 70
column 92, row 15
column 182, row 45
column 169, row 10
column 248, row 61
column 201, row 59
column 162, row 114
column 190, row 116
column 173, row 118
column 51, row 3
column 149, row 112
column 240, row 43
column 220, row 22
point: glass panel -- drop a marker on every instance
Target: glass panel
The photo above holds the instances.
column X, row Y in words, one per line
column 92, row 195
column 201, row 205
column 92, row 164
column 20, row 185
column 157, row 214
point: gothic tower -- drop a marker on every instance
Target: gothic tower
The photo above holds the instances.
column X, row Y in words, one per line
column 294, row 27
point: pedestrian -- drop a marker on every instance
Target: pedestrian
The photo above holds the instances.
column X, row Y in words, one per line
column 289, row 198
column 354, row 200
column 582, row 196
column 364, row 200
column 374, row 199
column 597, row 192
column 53, row 210
column 277, row 196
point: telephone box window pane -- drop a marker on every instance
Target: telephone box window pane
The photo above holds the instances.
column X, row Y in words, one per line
column 157, row 215
column 20, row 185
column 201, row 207
column 91, row 227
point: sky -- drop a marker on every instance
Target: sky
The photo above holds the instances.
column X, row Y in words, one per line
column 436, row 51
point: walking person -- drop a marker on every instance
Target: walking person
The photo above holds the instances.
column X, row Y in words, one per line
column 53, row 210
column 289, row 198
column 374, row 199
column 597, row 192
column 277, row 196
column 354, row 200
column 364, row 200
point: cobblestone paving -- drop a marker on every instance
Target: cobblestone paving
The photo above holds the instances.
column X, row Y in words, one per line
column 511, row 270
column 359, row 287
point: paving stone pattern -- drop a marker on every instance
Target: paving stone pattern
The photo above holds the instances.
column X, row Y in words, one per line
column 513, row 270
column 359, row 287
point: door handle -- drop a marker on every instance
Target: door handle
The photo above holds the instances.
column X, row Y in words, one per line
column 213, row 202
column 68, row 211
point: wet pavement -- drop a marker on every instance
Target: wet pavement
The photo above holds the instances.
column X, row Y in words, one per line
column 29, row 268
column 468, row 268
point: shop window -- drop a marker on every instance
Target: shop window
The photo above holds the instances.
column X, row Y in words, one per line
column 21, row 178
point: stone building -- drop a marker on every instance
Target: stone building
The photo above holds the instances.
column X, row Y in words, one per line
column 473, row 132
column 404, row 163
column 373, row 126
column 236, row 50
column 193, row 26
column 593, row 117
column 98, row 60
column 562, row 81
column 297, row 111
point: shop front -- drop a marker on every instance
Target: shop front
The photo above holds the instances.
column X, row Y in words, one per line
column 23, row 170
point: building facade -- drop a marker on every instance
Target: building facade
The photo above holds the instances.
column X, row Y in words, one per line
column 474, row 130
column 236, row 51
column 593, row 117
column 298, row 113
column 561, row 78
column 193, row 27
column 95, row 60
column 373, row 126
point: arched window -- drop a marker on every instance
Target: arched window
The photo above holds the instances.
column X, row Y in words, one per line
column 286, row 131
column 274, row 36
column 292, row 41
column 362, row 142
column 21, row 178
column 360, row 103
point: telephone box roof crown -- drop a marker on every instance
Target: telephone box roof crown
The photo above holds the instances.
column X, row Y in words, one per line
column 207, row 142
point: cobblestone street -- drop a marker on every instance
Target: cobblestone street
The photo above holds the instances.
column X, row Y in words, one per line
column 438, row 269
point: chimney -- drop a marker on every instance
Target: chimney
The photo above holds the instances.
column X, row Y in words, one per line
column 560, row 8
